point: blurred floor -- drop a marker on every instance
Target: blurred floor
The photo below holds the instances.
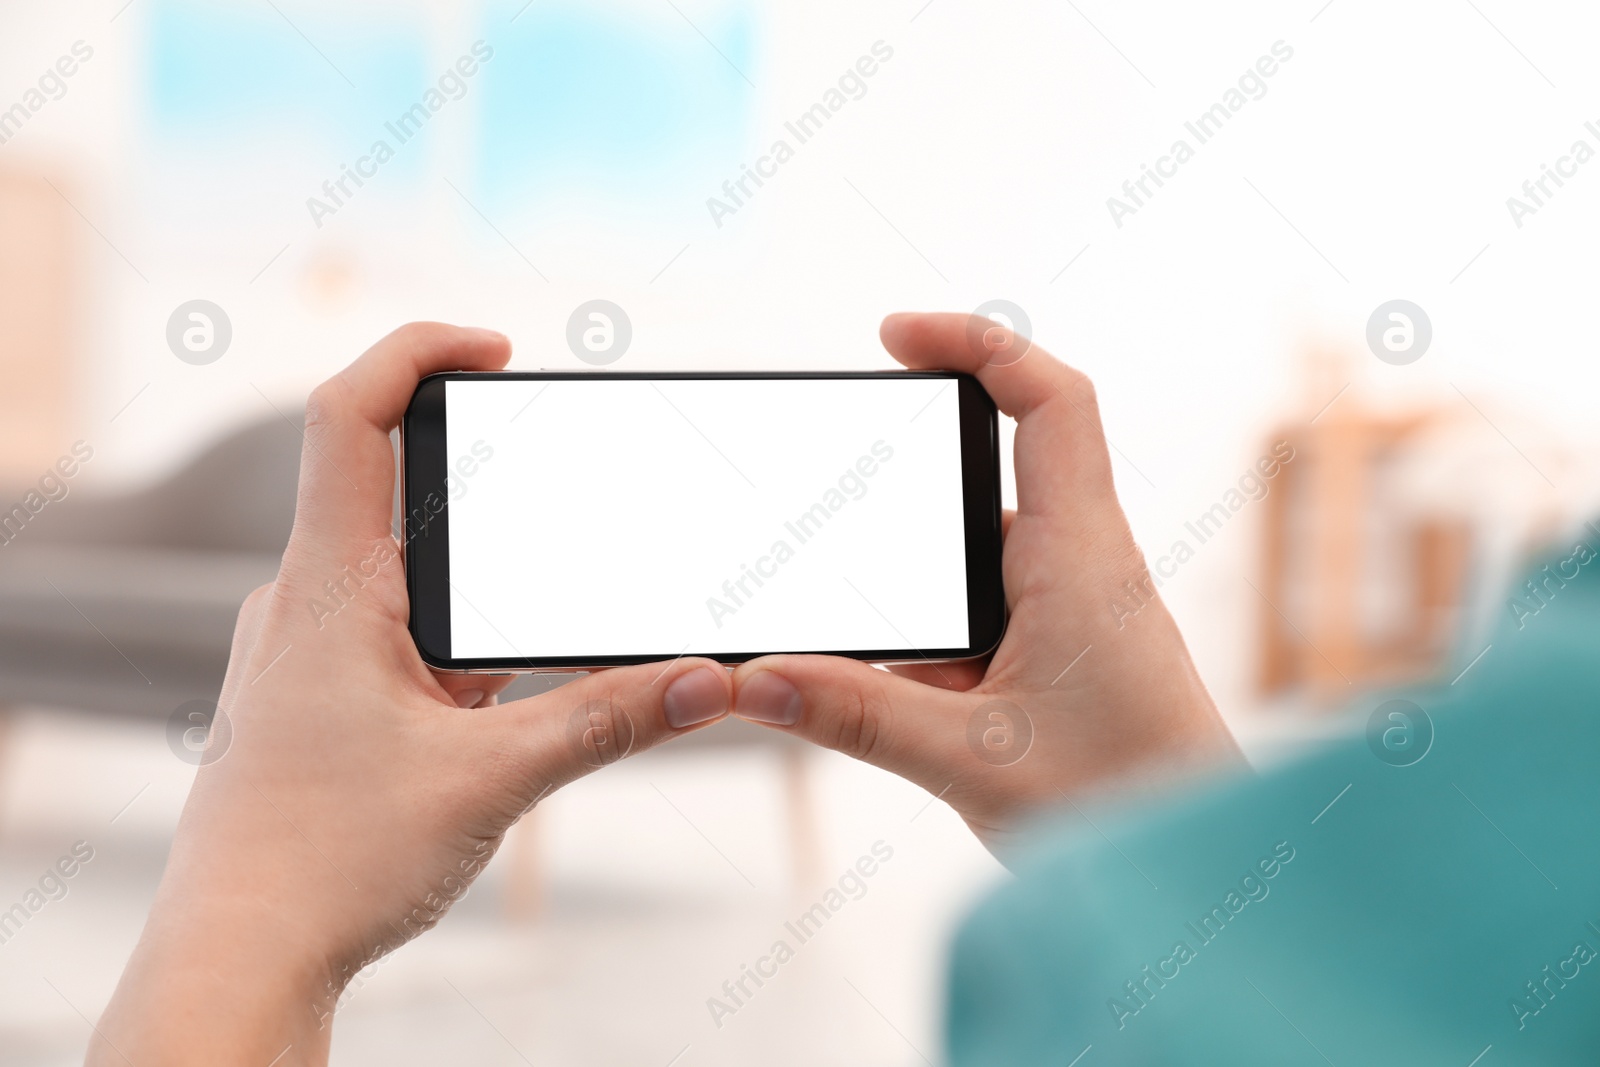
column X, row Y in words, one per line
column 663, row 876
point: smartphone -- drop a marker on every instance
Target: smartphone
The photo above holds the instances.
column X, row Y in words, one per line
column 558, row 521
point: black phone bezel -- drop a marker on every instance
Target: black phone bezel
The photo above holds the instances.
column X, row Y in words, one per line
column 425, row 527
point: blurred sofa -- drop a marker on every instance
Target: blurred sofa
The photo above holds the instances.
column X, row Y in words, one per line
column 125, row 604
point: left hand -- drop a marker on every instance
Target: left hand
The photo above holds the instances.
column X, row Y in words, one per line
column 360, row 793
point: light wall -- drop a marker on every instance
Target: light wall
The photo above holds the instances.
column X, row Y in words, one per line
column 977, row 165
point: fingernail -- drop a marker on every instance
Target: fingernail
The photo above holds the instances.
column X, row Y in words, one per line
column 769, row 697
column 469, row 698
column 695, row 697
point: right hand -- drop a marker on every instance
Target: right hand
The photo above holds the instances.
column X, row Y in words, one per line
column 1100, row 696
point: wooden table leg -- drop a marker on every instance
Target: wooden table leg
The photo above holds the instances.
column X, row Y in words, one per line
column 524, row 893
column 805, row 849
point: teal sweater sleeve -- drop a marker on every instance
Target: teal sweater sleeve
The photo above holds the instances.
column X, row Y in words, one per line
column 1355, row 908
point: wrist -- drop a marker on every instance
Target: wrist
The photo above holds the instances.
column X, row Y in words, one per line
column 219, row 979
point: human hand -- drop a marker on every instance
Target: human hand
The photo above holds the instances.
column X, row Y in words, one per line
column 360, row 794
column 1079, row 697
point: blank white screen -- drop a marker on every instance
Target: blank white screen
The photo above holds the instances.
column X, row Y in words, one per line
column 659, row 517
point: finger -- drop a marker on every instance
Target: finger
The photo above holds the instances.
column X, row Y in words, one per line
column 957, row 677
column 347, row 465
column 473, row 690
column 562, row 735
column 1006, row 515
column 879, row 718
column 1061, row 459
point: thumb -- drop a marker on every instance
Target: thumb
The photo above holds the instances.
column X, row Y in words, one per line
column 560, row 736
column 905, row 727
